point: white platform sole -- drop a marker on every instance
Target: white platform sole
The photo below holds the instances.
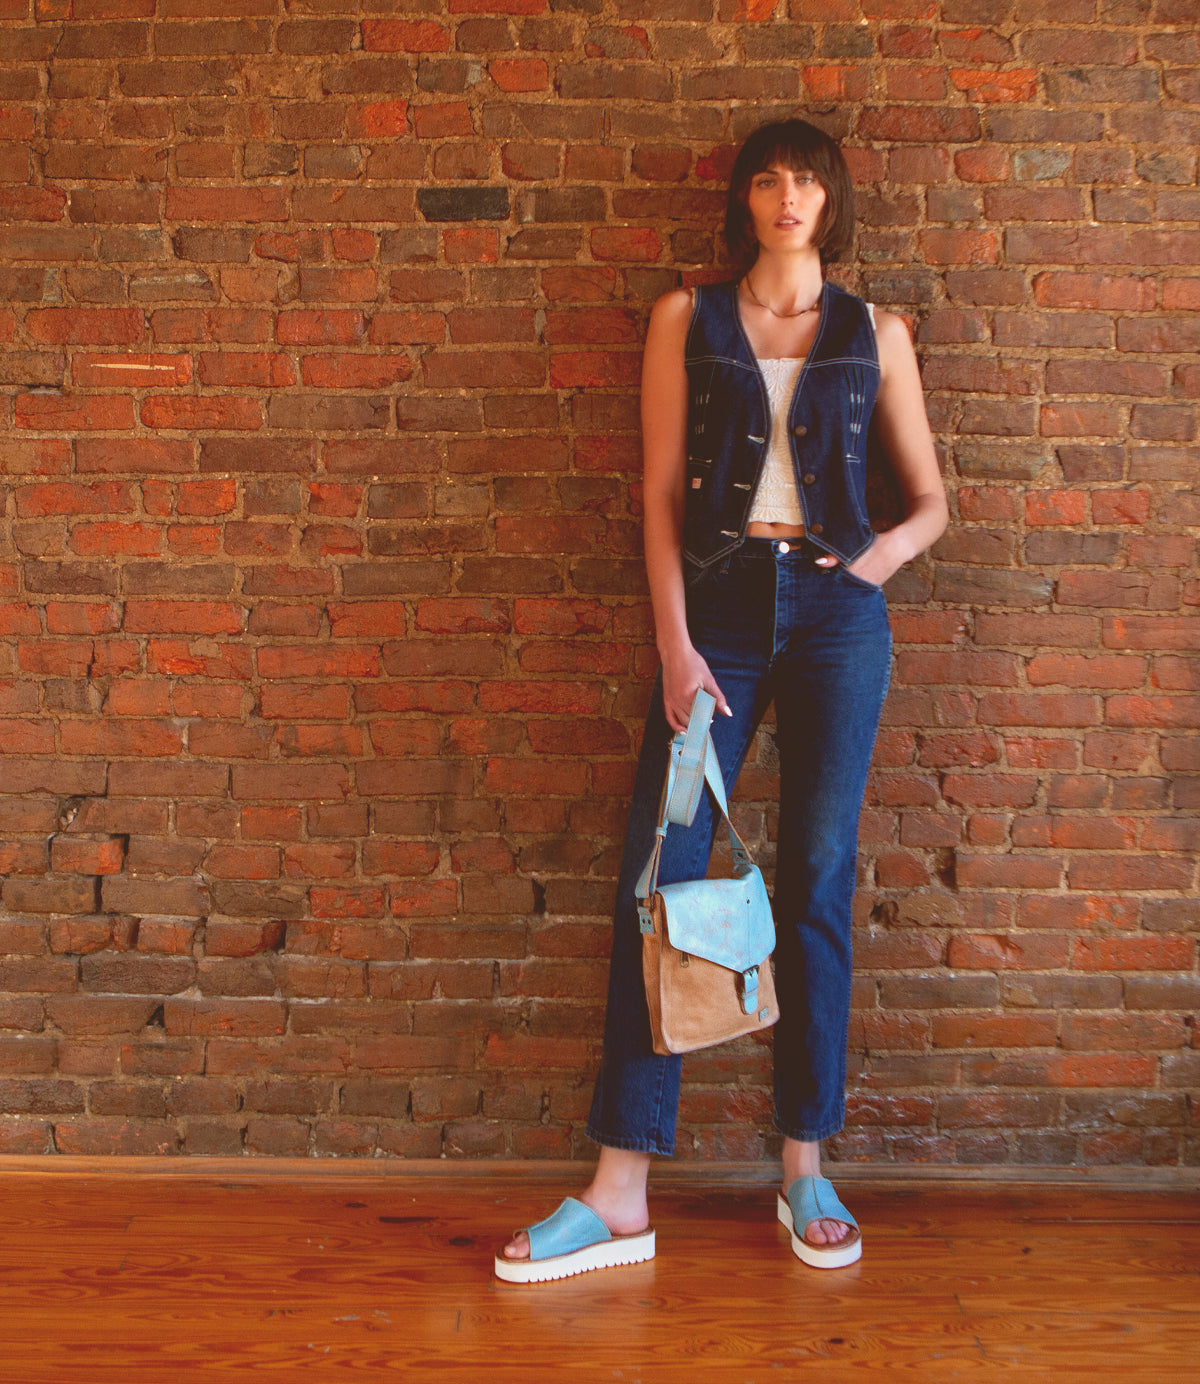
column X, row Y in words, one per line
column 835, row 1257
column 608, row 1254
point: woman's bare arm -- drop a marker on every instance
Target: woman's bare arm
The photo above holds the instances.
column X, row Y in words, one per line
column 664, row 448
column 904, row 431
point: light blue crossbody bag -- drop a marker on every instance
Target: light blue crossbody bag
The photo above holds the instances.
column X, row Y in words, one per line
column 706, row 943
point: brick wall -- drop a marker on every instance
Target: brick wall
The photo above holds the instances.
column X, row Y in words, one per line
column 325, row 641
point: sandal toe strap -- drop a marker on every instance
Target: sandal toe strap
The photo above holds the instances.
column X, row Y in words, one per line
column 813, row 1199
column 573, row 1226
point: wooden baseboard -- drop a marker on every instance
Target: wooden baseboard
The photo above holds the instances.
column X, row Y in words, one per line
column 665, row 1173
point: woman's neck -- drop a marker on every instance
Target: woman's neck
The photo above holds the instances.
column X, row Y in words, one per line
column 785, row 285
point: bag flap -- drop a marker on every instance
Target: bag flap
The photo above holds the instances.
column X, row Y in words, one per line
column 727, row 921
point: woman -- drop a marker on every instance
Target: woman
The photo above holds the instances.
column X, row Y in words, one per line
column 765, row 579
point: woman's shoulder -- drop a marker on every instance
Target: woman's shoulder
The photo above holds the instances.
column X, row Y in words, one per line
column 671, row 314
column 889, row 326
column 675, row 300
column 893, row 340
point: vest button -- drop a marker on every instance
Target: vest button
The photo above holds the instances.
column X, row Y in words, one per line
column 809, row 478
column 799, row 430
column 817, row 528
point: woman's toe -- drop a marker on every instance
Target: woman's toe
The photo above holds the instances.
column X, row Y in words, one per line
column 827, row 1232
column 517, row 1247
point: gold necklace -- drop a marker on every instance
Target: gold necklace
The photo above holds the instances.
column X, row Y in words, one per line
column 769, row 308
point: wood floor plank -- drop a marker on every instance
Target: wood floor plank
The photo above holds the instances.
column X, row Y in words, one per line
column 116, row 1280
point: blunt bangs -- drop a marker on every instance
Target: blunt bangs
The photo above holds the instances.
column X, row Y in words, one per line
column 801, row 147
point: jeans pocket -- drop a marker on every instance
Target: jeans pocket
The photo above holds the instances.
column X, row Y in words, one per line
column 857, row 580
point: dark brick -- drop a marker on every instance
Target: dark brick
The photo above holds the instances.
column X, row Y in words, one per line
column 463, row 203
column 568, row 204
column 1051, row 549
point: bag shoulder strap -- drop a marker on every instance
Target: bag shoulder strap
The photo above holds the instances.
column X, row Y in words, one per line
column 689, row 759
column 691, row 763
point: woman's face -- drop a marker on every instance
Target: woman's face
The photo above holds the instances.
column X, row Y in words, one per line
column 785, row 207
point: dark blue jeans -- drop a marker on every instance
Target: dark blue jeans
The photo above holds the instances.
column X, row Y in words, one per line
column 771, row 625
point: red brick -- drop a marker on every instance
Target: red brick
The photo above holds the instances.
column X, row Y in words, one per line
column 976, row 45
column 1134, row 953
column 87, row 326
column 336, row 327
column 378, row 120
column 1089, row 290
column 627, row 244
column 1148, row 632
column 404, row 35
column 72, row 413
column 246, row 368
column 183, row 617
column 1180, row 294
column 837, row 82
column 131, row 372
column 916, row 125
column 1130, row 872
column 1076, row 913
column 1160, row 712
column 590, row 326
column 1121, row 506
column 354, row 371
column 912, row 83
column 226, row 204
column 985, row 164
column 35, row 457
column 1013, row 84
column 442, row 121
column 1009, row 871
column 583, row 369
column 986, row 502
column 519, row 74
column 1080, row 420
column 101, row 540
column 224, row 412
column 1075, row 833
column 1078, row 670
column 458, row 615
column 471, row 245
column 496, row 6
column 1074, row 1070
column 407, row 328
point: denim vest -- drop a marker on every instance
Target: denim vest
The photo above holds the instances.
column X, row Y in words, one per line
column 729, row 427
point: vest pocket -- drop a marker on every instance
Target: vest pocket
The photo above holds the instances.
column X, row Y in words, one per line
column 856, row 486
column 699, row 473
column 696, row 506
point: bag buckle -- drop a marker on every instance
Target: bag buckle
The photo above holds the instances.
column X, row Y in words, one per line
column 750, row 990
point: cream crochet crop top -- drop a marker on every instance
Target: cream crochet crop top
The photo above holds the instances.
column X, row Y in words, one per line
column 775, row 500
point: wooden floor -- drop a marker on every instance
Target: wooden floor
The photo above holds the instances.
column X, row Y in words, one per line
column 251, row 1273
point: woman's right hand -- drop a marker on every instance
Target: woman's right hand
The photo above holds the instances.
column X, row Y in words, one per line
column 682, row 675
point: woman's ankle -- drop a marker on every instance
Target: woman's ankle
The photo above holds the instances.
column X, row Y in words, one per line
column 801, row 1158
column 617, row 1191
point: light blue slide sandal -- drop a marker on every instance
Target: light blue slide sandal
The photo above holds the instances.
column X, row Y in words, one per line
column 573, row 1240
column 813, row 1199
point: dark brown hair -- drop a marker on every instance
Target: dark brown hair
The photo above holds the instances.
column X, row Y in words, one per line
column 797, row 145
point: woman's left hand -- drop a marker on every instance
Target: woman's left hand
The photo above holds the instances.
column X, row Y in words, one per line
column 882, row 560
